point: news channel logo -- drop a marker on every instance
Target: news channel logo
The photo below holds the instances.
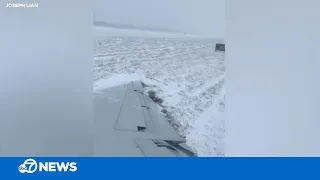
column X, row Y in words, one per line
column 30, row 166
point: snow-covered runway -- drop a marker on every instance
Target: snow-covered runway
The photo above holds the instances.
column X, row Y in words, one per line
column 183, row 70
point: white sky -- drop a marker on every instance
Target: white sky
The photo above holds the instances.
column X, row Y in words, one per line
column 206, row 17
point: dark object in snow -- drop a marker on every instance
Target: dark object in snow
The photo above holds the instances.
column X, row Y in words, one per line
column 144, row 85
column 220, row 47
column 152, row 95
column 164, row 111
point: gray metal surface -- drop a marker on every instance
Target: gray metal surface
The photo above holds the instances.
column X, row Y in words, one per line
column 129, row 123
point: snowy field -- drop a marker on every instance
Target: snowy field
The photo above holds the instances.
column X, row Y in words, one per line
column 182, row 69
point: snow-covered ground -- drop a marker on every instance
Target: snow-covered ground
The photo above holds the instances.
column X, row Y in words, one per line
column 182, row 69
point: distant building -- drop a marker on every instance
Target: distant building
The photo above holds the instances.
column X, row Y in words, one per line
column 220, row 47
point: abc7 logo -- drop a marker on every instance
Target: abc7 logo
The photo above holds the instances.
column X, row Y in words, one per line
column 32, row 166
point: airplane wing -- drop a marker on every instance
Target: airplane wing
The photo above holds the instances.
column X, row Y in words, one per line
column 130, row 124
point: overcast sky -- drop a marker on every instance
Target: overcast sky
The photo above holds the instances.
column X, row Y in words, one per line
column 206, row 17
